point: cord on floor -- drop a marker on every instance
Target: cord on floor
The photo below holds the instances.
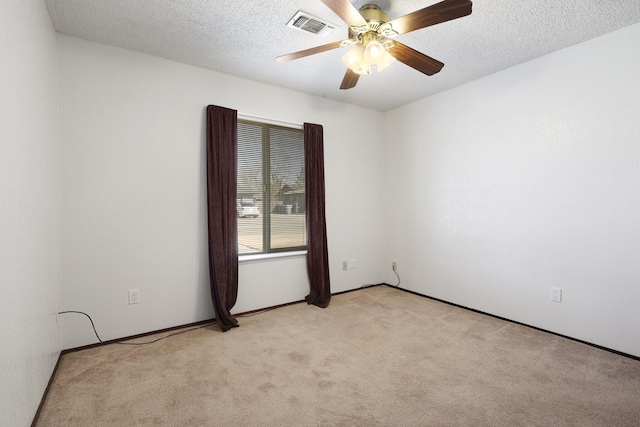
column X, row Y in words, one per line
column 135, row 343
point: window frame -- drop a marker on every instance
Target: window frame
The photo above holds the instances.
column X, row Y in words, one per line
column 267, row 251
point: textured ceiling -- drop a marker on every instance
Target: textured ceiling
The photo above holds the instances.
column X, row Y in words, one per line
column 243, row 38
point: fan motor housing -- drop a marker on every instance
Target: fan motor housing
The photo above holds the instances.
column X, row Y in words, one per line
column 375, row 18
column 373, row 14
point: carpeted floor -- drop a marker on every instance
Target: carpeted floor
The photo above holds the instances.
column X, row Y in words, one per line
column 375, row 357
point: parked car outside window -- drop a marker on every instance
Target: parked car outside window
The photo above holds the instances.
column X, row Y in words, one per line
column 247, row 209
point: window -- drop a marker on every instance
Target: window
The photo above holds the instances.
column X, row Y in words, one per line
column 271, row 189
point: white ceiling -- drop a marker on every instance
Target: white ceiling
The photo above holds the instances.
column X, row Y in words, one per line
column 243, row 38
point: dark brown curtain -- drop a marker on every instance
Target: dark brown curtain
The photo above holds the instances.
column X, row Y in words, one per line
column 222, row 134
column 317, row 254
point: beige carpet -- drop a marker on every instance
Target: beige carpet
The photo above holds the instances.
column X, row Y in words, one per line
column 375, row 357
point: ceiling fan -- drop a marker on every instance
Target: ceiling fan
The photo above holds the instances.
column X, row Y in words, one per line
column 372, row 33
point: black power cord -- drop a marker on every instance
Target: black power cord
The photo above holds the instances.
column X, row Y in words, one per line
column 397, row 285
column 135, row 343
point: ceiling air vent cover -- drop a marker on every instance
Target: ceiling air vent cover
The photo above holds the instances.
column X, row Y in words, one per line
column 304, row 22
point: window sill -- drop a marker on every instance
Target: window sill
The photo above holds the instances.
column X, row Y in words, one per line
column 271, row 256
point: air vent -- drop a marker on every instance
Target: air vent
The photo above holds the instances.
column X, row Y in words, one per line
column 304, row 22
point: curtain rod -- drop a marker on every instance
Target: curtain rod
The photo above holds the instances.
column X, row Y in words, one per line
column 269, row 120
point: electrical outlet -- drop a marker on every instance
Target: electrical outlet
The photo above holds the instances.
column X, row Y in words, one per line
column 344, row 266
column 352, row 263
column 134, row 297
column 556, row 294
column 394, row 265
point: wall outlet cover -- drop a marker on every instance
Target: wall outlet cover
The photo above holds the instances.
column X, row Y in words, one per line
column 556, row 294
column 134, row 297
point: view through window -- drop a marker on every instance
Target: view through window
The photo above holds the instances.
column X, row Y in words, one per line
column 271, row 188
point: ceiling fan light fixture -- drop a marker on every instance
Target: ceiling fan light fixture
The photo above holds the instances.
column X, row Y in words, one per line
column 376, row 54
column 373, row 52
column 362, row 69
column 387, row 60
column 387, row 30
column 353, row 61
column 353, row 58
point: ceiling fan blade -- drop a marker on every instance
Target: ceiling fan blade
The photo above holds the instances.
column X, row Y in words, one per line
column 435, row 14
column 350, row 79
column 346, row 11
column 302, row 53
column 414, row 59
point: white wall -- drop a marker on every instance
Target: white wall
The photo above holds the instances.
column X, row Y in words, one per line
column 30, row 282
column 133, row 190
column 527, row 179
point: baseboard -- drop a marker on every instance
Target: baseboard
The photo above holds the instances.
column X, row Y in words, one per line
column 610, row 350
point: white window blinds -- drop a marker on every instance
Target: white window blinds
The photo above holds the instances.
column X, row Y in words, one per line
column 271, row 188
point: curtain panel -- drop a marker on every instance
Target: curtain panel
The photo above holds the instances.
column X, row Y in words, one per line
column 222, row 134
column 317, row 252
